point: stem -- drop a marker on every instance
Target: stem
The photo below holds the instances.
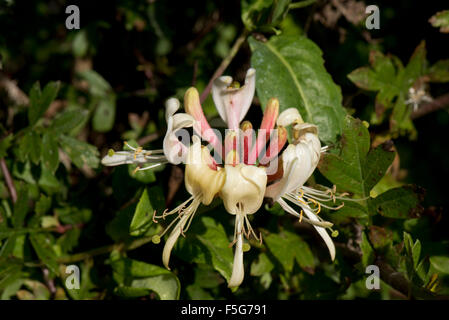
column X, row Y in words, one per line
column 225, row 63
column 9, row 181
column 301, row 4
column 438, row 103
column 106, row 249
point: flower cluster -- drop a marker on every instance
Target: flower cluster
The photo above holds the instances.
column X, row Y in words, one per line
column 246, row 166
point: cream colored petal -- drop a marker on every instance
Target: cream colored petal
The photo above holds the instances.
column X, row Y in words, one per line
column 238, row 270
column 219, row 88
column 288, row 117
column 171, row 106
column 244, row 188
column 172, row 238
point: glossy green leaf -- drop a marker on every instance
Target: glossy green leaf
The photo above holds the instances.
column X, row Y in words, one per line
column 291, row 69
column 143, row 216
column 81, row 153
column 216, row 241
column 144, row 278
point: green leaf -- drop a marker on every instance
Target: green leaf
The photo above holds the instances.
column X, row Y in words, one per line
column 20, row 207
column 380, row 237
column 440, row 263
column 287, row 247
column 144, row 278
column 80, row 44
column 261, row 266
column 214, row 238
column 104, row 116
column 263, row 15
column 80, row 152
column 143, row 216
column 98, row 86
column 5, row 143
column 355, row 169
column 291, row 69
column 50, row 152
column 40, row 101
column 367, row 251
column 42, row 244
column 439, row 72
column 441, row 20
column 399, row 203
column 43, row 204
column 68, row 120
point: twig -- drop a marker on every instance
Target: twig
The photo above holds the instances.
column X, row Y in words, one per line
column 9, row 181
column 438, row 103
column 225, row 63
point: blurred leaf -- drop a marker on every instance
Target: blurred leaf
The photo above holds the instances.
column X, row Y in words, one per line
column 5, row 143
column 399, row 203
column 439, row 72
column 143, row 216
column 291, row 69
column 197, row 293
column 440, row 263
column 98, row 86
column 367, row 251
column 441, row 20
column 40, row 101
column 144, row 176
column 261, row 266
column 42, row 244
column 104, row 116
column 20, row 207
column 263, row 15
column 50, row 152
column 380, row 237
column 80, row 152
column 68, row 120
column 80, row 44
column 43, row 204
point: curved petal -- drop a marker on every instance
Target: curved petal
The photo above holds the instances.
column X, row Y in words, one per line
column 238, row 271
column 172, row 238
column 313, row 221
column 233, row 103
column 288, row 117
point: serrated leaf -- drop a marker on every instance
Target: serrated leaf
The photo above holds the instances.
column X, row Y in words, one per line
column 291, row 69
column 104, row 116
column 41, row 100
column 80, row 152
column 398, row 203
column 50, row 153
column 143, row 215
column 355, row 169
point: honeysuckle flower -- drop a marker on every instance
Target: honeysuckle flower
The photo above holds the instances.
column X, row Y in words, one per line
column 246, row 166
column 299, row 160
